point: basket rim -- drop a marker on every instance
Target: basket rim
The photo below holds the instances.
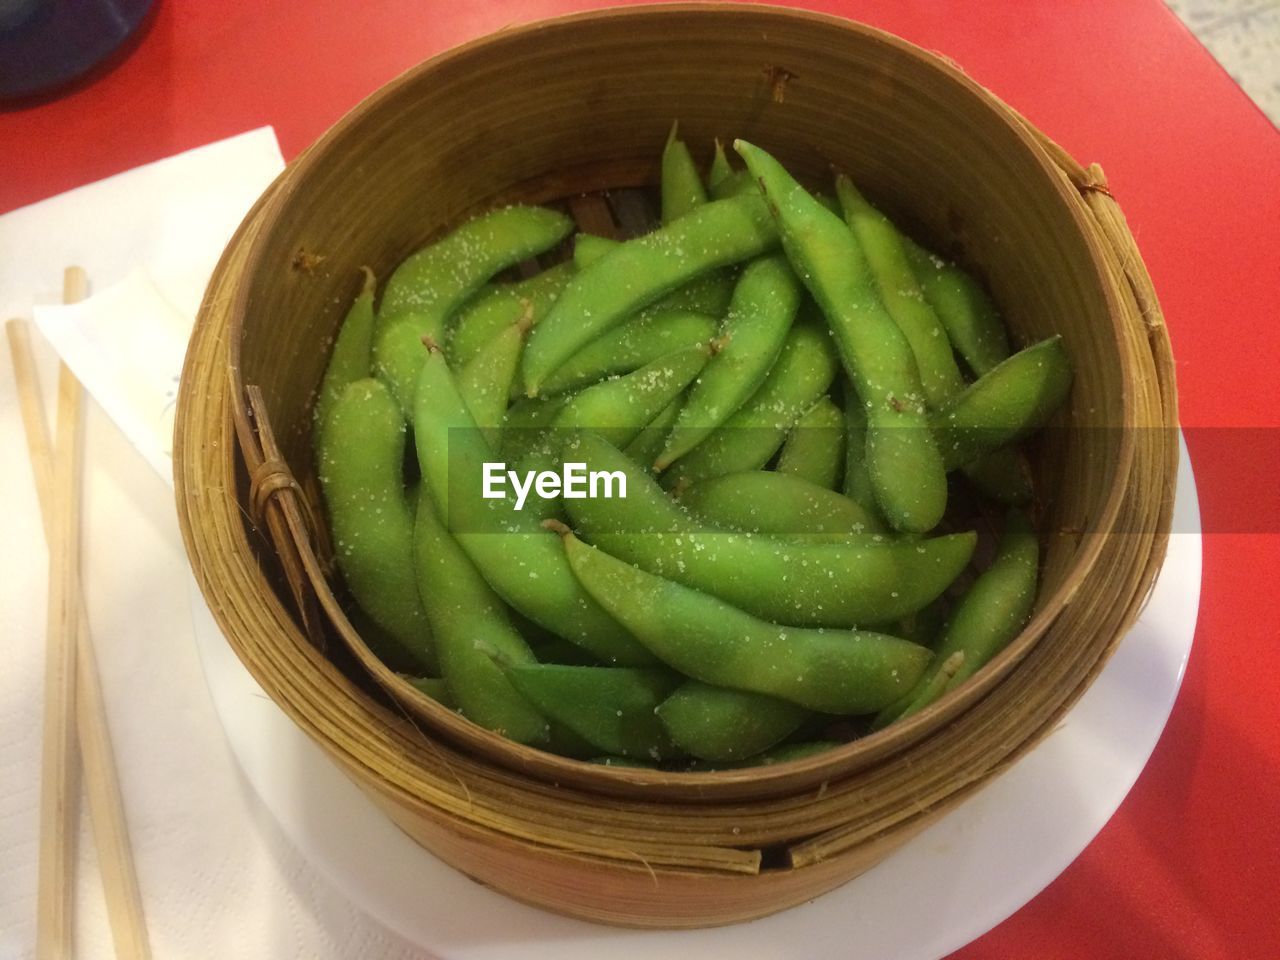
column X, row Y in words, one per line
column 847, row 758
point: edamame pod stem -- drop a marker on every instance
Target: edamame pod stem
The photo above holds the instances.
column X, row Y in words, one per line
column 485, row 382
column 360, row 455
column 901, row 295
column 611, row 708
column 814, row 450
column 1010, row 401
column 522, row 562
column 989, row 615
column 834, row 671
column 619, row 409
column 857, row 478
column 719, row 167
column 778, row 504
column 785, row 581
column 747, row 440
column 715, row 723
column 352, row 356
column 642, row 339
column 682, row 188
column 433, row 282
column 972, row 323
column 707, row 294
column 764, row 305
column 906, row 469
column 638, row 272
column 470, row 626
column 498, row 306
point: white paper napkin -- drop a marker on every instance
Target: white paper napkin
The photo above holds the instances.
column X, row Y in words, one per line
column 218, row 877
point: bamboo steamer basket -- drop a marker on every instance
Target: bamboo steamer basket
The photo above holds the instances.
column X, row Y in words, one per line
column 553, row 111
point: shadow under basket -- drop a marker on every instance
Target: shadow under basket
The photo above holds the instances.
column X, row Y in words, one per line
column 578, row 105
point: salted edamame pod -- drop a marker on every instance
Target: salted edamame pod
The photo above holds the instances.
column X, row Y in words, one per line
column 486, row 380
column 720, row 168
column 611, row 708
column 708, row 293
column 971, row 320
column 471, row 628
column 778, row 504
column 360, row 458
column 619, row 409
column 901, row 295
column 834, row 671
column 629, row 346
column 804, row 370
column 498, row 306
column 783, row 580
column 715, row 723
column 814, row 449
column 433, row 282
column 682, row 188
column 648, row 443
column 352, row 356
column 522, row 562
column 1010, row 401
column 989, row 615
column 906, row 469
column 763, row 307
column 637, row 272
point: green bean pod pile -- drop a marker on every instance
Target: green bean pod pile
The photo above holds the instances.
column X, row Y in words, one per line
column 684, row 500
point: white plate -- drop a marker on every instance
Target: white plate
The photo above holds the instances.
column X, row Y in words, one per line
column 1017, row 834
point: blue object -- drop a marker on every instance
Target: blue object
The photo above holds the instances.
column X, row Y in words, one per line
column 47, row 43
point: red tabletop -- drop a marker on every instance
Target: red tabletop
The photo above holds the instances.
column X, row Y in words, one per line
column 1190, row 865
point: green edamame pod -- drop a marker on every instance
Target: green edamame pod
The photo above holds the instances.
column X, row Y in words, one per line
column 352, row 356
column 735, row 184
column 857, row 478
column 833, row 671
column 485, row 382
column 642, row 339
column 990, row 614
column 1004, row 405
column 360, row 456
column 521, row 561
column 708, row 294
column 720, row 167
column 1002, row 475
column 471, row 628
column 682, row 188
column 637, row 272
column 433, row 282
column 526, row 429
column 785, row 581
column 619, row 409
column 644, row 449
column 926, row 692
column 498, row 306
column 901, row 295
column 750, row 437
column 435, row 688
column 778, row 504
column 760, row 315
column 972, row 323
column 814, row 450
column 715, row 723
column 611, row 708
column 906, row 469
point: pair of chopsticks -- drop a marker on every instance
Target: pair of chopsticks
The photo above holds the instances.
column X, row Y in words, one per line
column 74, row 712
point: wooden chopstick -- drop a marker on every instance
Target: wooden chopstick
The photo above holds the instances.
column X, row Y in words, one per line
column 106, row 810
